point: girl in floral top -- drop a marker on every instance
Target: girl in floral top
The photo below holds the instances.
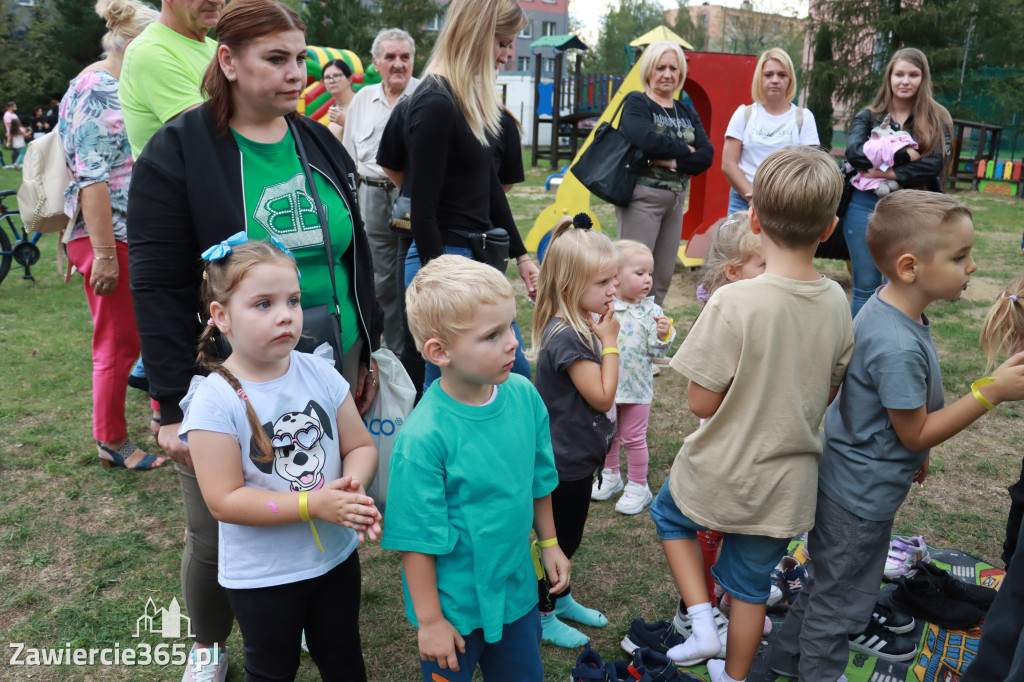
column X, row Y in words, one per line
column 98, row 155
column 644, row 334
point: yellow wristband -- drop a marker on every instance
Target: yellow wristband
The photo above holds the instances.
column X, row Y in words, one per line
column 304, row 515
column 548, row 543
column 669, row 334
column 984, row 381
column 609, row 351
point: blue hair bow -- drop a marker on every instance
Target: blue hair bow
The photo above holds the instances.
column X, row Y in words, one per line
column 218, row 251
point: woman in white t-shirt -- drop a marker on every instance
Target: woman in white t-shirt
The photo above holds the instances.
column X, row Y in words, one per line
column 770, row 123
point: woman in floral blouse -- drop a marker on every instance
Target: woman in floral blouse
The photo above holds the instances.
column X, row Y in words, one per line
column 99, row 157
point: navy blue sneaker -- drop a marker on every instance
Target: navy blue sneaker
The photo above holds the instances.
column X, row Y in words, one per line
column 659, row 636
column 623, row 671
column 658, row 667
column 589, row 666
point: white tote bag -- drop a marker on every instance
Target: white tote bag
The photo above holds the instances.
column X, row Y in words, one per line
column 395, row 398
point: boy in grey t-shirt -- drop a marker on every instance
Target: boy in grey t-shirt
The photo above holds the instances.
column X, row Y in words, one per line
column 888, row 414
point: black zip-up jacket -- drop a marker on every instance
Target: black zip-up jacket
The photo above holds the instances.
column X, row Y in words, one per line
column 923, row 174
column 187, row 195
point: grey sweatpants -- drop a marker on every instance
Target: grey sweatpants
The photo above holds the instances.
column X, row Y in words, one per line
column 843, row 577
column 655, row 217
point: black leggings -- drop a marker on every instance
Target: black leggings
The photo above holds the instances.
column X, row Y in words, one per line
column 327, row 608
column 570, row 504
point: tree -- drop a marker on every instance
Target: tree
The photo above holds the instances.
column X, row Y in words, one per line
column 621, row 25
column 344, row 24
column 822, row 85
column 752, row 31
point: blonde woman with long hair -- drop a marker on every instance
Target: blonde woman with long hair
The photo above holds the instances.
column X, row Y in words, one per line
column 454, row 119
column 771, row 122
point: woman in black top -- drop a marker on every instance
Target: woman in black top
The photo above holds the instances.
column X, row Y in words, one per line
column 674, row 143
column 453, row 120
column 906, row 96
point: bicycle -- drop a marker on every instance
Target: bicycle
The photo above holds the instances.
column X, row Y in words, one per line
column 24, row 252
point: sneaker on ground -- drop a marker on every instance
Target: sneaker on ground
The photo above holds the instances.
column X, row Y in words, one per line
column 979, row 595
column 925, row 598
column 660, row 636
column 608, row 483
column 681, row 622
column 215, row 671
column 589, row 666
column 789, row 576
column 658, row 667
column 893, row 620
column 623, row 671
column 882, row 643
column 634, row 499
column 903, row 554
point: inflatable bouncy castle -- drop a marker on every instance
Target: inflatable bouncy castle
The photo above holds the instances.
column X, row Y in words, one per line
column 315, row 100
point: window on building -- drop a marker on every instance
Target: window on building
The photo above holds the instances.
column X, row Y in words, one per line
column 549, row 65
column 550, row 28
column 522, row 63
column 435, row 23
column 703, row 19
column 527, row 31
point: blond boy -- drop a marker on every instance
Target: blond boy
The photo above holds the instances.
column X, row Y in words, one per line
column 764, row 359
column 878, row 434
column 472, row 470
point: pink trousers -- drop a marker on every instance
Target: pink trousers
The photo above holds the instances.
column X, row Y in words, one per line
column 115, row 342
column 633, row 437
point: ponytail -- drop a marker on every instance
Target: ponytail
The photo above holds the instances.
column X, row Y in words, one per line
column 261, row 449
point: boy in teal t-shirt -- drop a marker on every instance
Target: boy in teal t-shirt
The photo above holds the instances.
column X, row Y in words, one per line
column 472, row 470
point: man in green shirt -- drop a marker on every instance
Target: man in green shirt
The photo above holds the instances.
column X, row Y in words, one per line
column 164, row 66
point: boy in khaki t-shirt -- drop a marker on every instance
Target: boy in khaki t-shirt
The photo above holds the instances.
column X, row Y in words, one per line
column 764, row 359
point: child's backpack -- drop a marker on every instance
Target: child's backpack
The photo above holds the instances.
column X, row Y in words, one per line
column 45, row 176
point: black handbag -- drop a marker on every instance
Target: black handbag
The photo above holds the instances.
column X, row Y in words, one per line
column 609, row 166
column 320, row 324
column 489, row 247
column 401, row 217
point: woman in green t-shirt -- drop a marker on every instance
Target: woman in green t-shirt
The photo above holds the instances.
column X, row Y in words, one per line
column 233, row 165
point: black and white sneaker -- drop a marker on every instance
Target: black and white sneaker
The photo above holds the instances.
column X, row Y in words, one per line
column 892, row 620
column 880, row 642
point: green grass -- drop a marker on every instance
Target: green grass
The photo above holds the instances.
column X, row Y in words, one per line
column 83, row 548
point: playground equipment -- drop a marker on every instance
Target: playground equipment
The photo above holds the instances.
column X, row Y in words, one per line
column 983, row 170
column 315, row 100
column 716, row 84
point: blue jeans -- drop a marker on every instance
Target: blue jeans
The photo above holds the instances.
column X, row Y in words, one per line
column 745, row 565
column 736, row 202
column 412, row 265
column 514, row 657
column 866, row 277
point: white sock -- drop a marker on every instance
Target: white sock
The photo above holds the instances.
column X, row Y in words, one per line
column 704, row 643
column 716, row 671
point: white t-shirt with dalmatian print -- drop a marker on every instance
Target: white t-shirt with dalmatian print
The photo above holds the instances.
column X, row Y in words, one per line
column 298, row 412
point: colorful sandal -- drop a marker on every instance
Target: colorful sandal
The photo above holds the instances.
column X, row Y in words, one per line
column 124, row 452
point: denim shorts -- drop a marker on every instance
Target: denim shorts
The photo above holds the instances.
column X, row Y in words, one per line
column 745, row 564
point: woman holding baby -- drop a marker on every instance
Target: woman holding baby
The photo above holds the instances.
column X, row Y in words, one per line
column 906, row 98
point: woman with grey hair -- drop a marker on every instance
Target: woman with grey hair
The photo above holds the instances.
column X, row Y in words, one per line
column 99, row 157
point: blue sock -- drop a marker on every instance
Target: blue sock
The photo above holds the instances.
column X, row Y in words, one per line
column 560, row 634
column 567, row 608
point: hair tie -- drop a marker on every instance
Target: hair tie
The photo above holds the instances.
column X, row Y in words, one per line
column 241, row 394
column 279, row 244
column 1012, row 297
column 702, row 293
column 218, row 251
column 209, row 323
column 581, row 221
